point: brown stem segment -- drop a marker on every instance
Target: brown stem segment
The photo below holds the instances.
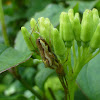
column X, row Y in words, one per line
column 62, row 78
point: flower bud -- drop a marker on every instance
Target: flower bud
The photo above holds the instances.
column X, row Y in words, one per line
column 87, row 26
column 66, row 28
column 71, row 15
column 58, row 44
column 45, row 28
column 34, row 29
column 95, row 18
column 61, row 26
column 33, row 24
column 77, row 27
column 26, row 36
column 48, row 30
column 41, row 26
column 95, row 41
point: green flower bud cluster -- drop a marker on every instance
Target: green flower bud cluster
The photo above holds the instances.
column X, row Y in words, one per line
column 90, row 29
column 86, row 32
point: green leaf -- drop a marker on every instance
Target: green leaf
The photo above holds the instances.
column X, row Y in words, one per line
column 89, row 79
column 42, row 76
column 11, row 57
column 20, row 42
column 86, row 5
column 35, row 6
column 1, row 37
column 53, row 14
column 2, row 48
column 79, row 95
column 83, row 4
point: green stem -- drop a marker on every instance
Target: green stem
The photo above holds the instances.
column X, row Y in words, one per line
column 74, row 52
column 6, row 40
column 69, row 61
column 64, row 84
column 79, row 53
column 71, row 90
column 80, row 63
column 52, row 94
column 77, row 70
column 85, row 58
column 79, row 58
column 92, row 56
column 85, row 52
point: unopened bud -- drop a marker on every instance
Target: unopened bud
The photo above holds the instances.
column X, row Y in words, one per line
column 45, row 28
column 95, row 18
column 33, row 24
column 77, row 27
column 95, row 41
column 34, row 29
column 87, row 26
column 26, row 36
column 58, row 44
column 66, row 28
column 71, row 15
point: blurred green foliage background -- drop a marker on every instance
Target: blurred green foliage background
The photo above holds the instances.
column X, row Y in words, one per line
column 18, row 13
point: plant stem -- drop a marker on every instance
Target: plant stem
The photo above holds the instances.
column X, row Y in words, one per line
column 74, row 52
column 92, row 56
column 79, row 53
column 78, row 68
column 52, row 94
column 80, row 63
column 64, row 84
column 69, row 61
column 6, row 40
column 71, row 88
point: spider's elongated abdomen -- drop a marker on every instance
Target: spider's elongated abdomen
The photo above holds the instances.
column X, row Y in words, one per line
column 48, row 57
